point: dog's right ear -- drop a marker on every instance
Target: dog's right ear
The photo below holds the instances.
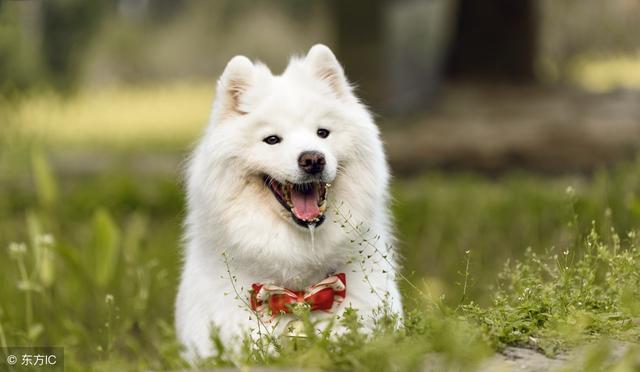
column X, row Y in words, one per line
column 234, row 82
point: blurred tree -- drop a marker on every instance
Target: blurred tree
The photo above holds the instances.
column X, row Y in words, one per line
column 164, row 10
column 67, row 28
column 359, row 45
column 494, row 39
column 43, row 42
column 20, row 66
column 491, row 39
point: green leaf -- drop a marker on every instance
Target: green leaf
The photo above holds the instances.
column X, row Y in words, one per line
column 106, row 247
column 134, row 232
column 45, row 182
column 35, row 331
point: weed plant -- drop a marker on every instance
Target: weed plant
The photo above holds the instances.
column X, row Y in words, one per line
column 103, row 286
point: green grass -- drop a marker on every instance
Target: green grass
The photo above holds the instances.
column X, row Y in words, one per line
column 91, row 263
column 89, row 259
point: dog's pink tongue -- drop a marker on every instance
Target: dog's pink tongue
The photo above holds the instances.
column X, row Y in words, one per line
column 305, row 204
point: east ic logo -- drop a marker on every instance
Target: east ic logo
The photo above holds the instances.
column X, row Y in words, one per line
column 36, row 360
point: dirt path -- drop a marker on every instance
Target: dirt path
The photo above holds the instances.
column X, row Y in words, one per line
column 491, row 129
column 593, row 357
column 488, row 130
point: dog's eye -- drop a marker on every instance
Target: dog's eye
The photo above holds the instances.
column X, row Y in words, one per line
column 323, row 133
column 272, row 140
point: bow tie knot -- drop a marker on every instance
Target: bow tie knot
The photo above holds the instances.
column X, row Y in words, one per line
column 274, row 300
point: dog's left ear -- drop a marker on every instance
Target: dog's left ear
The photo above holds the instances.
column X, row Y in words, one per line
column 325, row 66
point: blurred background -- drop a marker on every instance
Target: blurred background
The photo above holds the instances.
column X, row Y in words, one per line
column 508, row 125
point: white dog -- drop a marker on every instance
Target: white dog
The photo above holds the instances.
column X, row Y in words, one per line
column 288, row 180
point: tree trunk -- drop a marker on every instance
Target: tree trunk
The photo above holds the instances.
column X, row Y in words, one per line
column 359, row 46
column 494, row 40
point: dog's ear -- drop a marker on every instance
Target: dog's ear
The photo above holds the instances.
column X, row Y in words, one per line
column 234, row 82
column 325, row 66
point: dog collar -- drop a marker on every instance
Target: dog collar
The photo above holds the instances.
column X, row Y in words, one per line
column 268, row 299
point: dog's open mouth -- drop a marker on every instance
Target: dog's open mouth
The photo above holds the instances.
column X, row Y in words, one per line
column 306, row 202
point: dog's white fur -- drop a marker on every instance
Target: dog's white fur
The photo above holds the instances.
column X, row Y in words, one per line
column 231, row 211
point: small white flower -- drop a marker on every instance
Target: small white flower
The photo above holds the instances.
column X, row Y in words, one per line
column 17, row 249
column 570, row 191
column 45, row 239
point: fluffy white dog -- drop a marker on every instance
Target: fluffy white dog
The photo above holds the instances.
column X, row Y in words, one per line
column 288, row 179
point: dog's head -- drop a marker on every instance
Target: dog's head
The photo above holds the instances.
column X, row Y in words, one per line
column 290, row 142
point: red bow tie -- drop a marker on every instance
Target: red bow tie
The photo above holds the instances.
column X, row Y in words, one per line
column 321, row 296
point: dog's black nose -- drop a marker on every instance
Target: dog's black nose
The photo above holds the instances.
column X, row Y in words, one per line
column 311, row 162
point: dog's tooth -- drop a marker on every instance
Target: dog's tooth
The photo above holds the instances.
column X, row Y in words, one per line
column 288, row 193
